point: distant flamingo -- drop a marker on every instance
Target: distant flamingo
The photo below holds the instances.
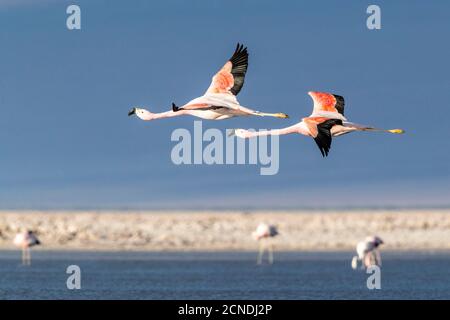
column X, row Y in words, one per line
column 263, row 233
column 368, row 253
column 25, row 240
column 326, row 120
column 219, row 101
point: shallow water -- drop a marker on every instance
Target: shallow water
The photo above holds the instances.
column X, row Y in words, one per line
column 138, row 275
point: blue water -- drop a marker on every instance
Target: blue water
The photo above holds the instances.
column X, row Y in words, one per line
column 131, row 275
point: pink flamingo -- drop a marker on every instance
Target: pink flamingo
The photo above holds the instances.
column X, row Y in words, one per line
column 326, row 121
column 262, row 234
column 368, row 253
column 219, row 101
column 25, row 240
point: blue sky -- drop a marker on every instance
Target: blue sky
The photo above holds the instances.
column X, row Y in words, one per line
column 66, row 140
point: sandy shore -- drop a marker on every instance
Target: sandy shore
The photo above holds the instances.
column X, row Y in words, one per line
column 204, row 231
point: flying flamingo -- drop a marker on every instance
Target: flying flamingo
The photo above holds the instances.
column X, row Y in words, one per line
column 368, row 253
column 326, row 121
column 25, row 240
column 263, row 233
column 219, row 101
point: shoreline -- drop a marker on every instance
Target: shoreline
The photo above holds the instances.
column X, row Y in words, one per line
column 8, row 250
column 222, row 231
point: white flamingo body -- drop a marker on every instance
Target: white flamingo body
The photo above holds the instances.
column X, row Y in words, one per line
column 231, row 107
column 26, row 240
column 219, row 101
column 265, row 231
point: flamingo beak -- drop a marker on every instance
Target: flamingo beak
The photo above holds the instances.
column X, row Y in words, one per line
column 232, row 132
column 132, row 111
column 398, row 131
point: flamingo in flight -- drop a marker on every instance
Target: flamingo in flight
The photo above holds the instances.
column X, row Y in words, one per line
column 368, row 253
column 262, row 234
column 326, row 121
column 25, row 240
column 219, row 101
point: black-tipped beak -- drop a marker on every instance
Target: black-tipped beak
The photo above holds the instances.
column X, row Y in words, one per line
column 132, row 111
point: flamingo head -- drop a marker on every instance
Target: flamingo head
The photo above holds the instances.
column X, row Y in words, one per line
column 30, row 232
column 376, row 240
column 141, row 113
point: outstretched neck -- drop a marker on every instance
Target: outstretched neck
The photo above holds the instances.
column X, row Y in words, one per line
column 275, row 132
column 166, row 114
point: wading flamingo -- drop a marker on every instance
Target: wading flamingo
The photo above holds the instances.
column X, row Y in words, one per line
column 326, row 121
column 263, row 234
column 368, row 253
column 25, row 240
column 219, row 101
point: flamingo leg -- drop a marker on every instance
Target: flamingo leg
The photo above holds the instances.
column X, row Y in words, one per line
column 378, row 257
column 260, row 253
column 270, row 253
column 29, row 256
column 367, row 260
column 23, row 256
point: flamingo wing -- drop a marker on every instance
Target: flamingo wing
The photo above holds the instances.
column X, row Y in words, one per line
column 33, row 240
column 230, row 78
column 328, row 104
column 320, row 128
column 273, row 231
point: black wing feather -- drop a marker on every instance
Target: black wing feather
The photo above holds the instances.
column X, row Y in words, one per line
column 273, row 231
column 340, row 103
column 239, row 62
column 323, row 139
